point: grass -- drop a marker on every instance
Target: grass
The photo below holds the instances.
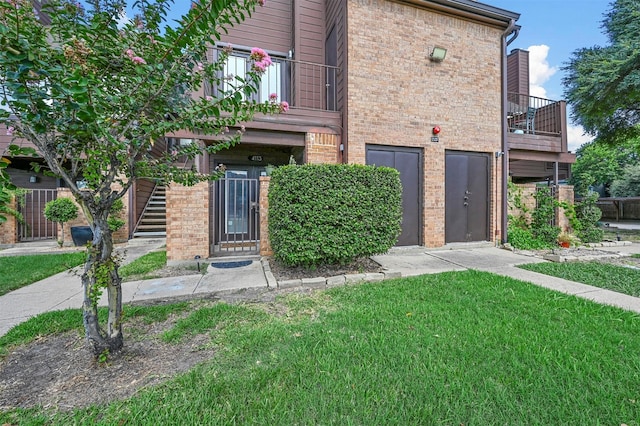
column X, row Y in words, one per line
column 454, row 348
column 19, row 271
column 616, row 278
column 143, row 266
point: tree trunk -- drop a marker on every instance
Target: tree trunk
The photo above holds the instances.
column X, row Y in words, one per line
column 100, row 274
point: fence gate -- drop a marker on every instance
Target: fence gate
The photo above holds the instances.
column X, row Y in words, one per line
column 236, row 214
column 35, row 226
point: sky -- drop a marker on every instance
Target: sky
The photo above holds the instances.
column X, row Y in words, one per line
column 551, row 31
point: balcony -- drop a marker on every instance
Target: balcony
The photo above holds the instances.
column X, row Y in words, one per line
column 310, row 89
column 536, row 124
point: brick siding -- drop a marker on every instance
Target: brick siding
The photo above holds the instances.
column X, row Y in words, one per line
column 9, row 229
column 321, row 148
column 188, row 221
column 397, row 95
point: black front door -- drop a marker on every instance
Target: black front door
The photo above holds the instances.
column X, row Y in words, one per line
column 408, row 161
column 466, row 197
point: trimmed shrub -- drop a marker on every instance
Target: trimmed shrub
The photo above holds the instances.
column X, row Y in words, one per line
column 587, row 216
column 333, row 213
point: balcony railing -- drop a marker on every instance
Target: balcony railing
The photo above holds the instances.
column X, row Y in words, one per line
column 304, row 85
column 535, row 116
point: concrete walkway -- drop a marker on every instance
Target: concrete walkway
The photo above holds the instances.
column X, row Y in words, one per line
column 64, row 290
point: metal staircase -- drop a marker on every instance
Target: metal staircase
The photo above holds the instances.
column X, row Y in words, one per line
column 153, row 220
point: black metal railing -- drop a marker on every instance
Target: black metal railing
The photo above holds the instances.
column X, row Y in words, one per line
column 533, row 115
column 302, row 84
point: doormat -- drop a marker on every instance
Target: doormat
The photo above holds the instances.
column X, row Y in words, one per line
column 227, row 265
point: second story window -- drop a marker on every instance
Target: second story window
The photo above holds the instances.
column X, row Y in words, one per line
column 273, row 80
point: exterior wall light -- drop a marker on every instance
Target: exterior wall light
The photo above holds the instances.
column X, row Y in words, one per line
column 438, row 54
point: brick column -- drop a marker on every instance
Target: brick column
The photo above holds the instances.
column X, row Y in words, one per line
column 188, row 222
column 321, row 148
column 565, row 193
column 265, row 244
column 9, row 229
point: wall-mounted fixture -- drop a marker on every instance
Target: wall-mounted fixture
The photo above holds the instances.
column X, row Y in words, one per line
column 33, row 179
column 438, row 54
column 436, row 130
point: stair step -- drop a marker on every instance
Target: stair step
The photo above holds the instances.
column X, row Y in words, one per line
column 149, row 234
column 149, row 221
column 154, row 227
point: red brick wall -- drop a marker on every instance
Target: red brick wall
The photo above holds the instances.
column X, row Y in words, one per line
column 397, row 95
column 265, row 244
column 187, row 221
column 321, row 148
column 9, row 229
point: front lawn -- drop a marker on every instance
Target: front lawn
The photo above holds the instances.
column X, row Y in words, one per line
column 456, row 348
column 598, row 274
column 19, row 271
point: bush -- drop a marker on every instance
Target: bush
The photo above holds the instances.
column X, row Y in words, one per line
column 587, row 216
column 333, row 213
column 61, row 210
column 523, row 239
column 543, row 216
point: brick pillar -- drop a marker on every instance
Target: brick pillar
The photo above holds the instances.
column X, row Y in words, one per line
column 565, row 193
column 188, row 221
column 9, row 229
column 321, row 148
column 265, row 244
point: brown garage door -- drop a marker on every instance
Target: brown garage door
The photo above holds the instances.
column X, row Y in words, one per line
column 466, row 197
column 408, row 161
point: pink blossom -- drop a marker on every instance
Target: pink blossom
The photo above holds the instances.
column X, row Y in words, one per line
column 208, row 98
column 284, row 106
column 129, row 53
column 259, row 67
column 10, row 130
column 273, row 97
column 138, row 60
column 262, row 2
column 260, row 56
column 242, row 128
column 199, row 67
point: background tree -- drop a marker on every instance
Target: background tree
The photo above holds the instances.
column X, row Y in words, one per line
column 93, row 95
column 599, row 163
column 603, row 83
column 628, row 183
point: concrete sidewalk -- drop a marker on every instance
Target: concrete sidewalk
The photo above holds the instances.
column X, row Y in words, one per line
column 417, row 261
column 64, row 290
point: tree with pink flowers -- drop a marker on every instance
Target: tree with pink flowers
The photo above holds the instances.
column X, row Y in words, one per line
column 94, row 94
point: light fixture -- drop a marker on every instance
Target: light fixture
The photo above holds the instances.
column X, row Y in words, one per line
column 33, row 179
column 438, row 54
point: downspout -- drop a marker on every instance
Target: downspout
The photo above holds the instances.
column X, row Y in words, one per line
column 511, row 29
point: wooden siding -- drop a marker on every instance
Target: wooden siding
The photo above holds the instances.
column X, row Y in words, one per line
column 269, row 28
column 336, row 19
column 536, row 170
column 518, row 72
column 309, row 36
column 143, row 190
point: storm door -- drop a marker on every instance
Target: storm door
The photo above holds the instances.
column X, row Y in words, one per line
column 236, row 216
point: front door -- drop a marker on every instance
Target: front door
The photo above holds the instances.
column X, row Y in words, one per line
column 408, row 161
column 466, row 197
column 237, row 221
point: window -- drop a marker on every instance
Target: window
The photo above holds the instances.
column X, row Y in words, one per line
column 272, row 81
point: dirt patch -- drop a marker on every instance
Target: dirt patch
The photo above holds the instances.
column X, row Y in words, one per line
column 58, row 372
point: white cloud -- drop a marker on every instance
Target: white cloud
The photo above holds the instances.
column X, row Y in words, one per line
column 539, row 70
column 576, row 137
column 123, row 19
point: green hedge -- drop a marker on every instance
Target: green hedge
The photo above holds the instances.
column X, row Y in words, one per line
column 333, row 213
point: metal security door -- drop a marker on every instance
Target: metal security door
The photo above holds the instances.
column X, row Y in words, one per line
column 466, row 197
column 408, row 161
column 34, row 225
column 237, row 213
